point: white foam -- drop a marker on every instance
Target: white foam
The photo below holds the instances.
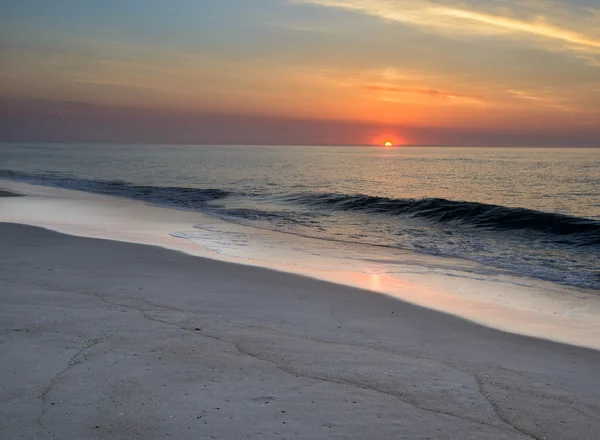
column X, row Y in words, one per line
column 484, row 295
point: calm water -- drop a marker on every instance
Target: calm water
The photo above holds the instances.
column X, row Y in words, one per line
column 533, row 211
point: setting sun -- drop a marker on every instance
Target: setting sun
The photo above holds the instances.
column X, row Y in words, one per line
column 388, row 144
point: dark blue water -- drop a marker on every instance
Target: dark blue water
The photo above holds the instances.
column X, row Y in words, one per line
column 533, row 211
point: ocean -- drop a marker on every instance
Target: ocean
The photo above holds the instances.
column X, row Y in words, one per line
column 530, row 212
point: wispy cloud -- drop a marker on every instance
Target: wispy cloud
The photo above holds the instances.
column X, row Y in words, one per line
column 528, row 96
column 459, row 19
column 546, row 102
column 538, row 28
column 591, row 61
column 428, row 92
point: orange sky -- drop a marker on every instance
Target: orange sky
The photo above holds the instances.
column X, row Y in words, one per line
column 521, row 71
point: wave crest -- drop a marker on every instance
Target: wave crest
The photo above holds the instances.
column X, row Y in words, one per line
column 574, row 230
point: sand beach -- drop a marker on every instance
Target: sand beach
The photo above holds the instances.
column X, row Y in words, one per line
column 104, row 339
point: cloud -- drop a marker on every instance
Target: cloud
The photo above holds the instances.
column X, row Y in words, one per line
column 547, row 102
column 460, row 20
column 538, row 28
column 434, row 93
column 591, row 61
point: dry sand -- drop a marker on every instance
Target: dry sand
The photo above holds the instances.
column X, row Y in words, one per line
column 110, row 340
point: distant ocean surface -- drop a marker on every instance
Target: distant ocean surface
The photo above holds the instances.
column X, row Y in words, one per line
column 534, row 212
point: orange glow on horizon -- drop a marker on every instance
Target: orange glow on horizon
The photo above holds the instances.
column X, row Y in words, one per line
column 389, row 138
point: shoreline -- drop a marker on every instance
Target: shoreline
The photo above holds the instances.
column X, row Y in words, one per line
column 105, row 338
column 518, row 305
column 9, row 194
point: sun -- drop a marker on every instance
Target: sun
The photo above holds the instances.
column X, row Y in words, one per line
column 388, row 144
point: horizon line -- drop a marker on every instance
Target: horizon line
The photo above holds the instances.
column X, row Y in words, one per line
column 176, row 144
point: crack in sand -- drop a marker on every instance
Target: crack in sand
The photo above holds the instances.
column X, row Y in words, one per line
column 497, row 410
column 115, row 301
column 358, row 385
column 566, row 400
column 585, row 414
column 73, row 361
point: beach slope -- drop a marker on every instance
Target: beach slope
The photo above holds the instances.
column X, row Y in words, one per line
column 106, row 340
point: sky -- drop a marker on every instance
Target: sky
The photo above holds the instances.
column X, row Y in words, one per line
column 318, row 72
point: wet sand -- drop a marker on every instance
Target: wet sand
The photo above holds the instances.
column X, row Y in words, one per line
column 105, row 340
column 8, row 194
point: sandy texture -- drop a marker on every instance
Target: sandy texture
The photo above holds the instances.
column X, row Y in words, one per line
column 107, row 340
